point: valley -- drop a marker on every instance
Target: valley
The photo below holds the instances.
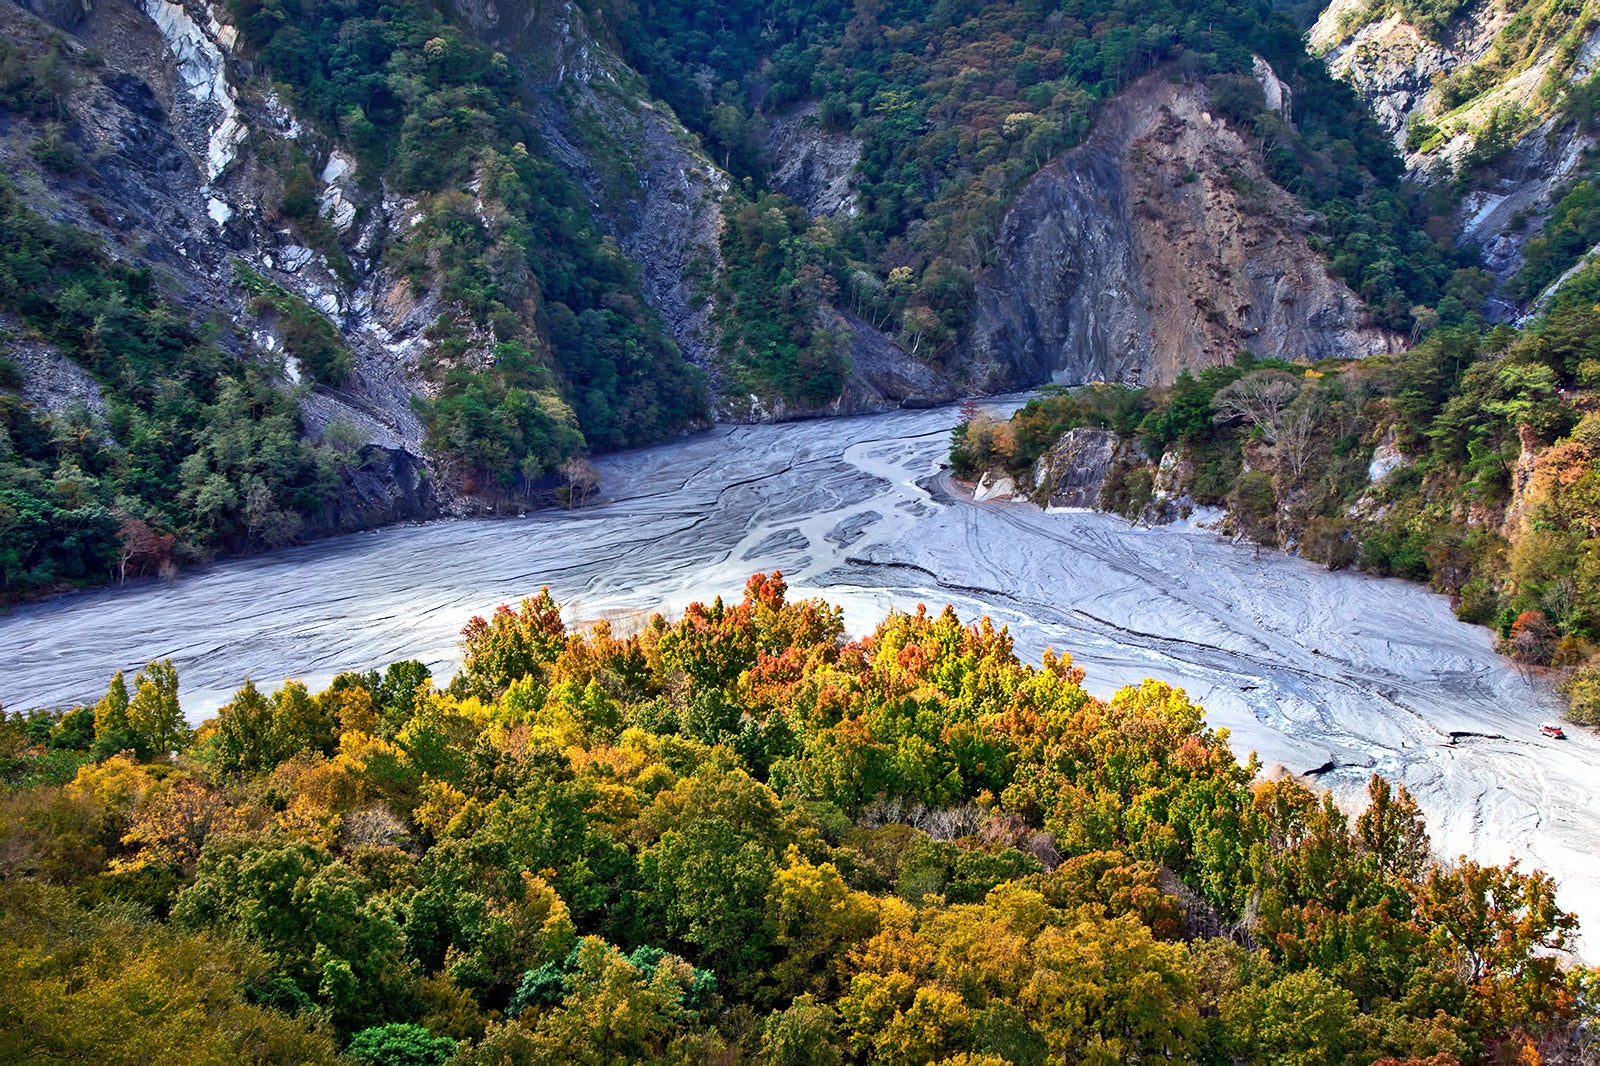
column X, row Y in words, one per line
column 1333, row 674
column 334, row 331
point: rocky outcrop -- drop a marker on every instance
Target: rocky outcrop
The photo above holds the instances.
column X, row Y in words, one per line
column 993, row 485
column 1073, row 472
column 897, row 379
column 1156, row 246
column 1386, row 459
column 1512, row 208
column 50, row 381
column 1401, row 71
column 1396, row 67
column 381, row 485
column 811, row 165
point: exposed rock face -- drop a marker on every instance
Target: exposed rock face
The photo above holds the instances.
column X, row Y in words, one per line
column 1516, row 521
column 1394, row 65
column 172, row 177
column 811, row 165
column 992, row 486
column 386, row 485
column 1073, row 472
column 1386, row 459
column 1397, row 69
column 1274, row 93
column 51, row 381
column 1156, row 246
column 1502, row 217
column 883, row 366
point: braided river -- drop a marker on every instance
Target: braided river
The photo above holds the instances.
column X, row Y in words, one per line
column 1334, row 675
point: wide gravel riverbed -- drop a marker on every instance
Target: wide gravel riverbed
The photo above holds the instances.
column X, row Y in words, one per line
column 1332, row 674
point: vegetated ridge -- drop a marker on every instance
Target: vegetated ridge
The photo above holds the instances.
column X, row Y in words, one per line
column 740, row 838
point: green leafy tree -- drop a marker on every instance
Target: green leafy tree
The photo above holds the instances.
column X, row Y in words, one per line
column 400, row 1044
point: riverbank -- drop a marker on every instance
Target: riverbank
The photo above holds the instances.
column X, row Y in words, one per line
column 1337, row 673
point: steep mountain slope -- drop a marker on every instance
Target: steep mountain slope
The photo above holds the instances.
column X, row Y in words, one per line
column 443, row 254
column 1157, row 246
column 1496, row 96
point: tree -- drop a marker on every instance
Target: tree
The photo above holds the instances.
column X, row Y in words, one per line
column 112, row 731
column 1253, row 505
column 1392, row 831
column 707, row 884
column 1301, row 1019
column 242, row 739
column 817, row 919
column 513, row 644
column 317, row 917
column 400, row 1044
column 149, row 722
column 1261, row 397
column 580, row 481
column 111, row 985
column 1297, row 430
column 1501, row 926
column 143, row 549
column 614, row 1012
column 154, row 715
column 1533, row 639
column 255, row 732
column 802, row 1035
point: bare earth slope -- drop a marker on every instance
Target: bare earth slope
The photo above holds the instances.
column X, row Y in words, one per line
column 1156, row 246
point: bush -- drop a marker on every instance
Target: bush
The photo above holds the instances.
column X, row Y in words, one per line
column 1329, row 541
column 1254, row 506
column 11, row 373
column 400, row 1044
column 1582, row 692
column 307, row 335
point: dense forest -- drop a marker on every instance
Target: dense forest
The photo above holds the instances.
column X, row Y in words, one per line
column 1469, row 462
column 735, row 837
column 196, row 450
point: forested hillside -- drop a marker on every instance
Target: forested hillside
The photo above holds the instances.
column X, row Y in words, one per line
column 736, row 838
column 223, row 412
column 444, row 254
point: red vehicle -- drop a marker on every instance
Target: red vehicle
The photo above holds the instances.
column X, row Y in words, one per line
column 1550, row 729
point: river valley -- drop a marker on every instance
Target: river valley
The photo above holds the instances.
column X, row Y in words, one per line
column 1332, row 674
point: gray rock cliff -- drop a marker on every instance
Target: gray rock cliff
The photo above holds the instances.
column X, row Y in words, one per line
column 1156, row 246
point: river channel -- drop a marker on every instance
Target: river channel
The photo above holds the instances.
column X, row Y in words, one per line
column 1332, row 674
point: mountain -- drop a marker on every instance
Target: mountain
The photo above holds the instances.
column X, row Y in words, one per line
column 1494, row 101
column 287, row 270
column 1464, row 458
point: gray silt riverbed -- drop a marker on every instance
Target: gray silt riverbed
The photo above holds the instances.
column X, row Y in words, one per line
column 1336, row 674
